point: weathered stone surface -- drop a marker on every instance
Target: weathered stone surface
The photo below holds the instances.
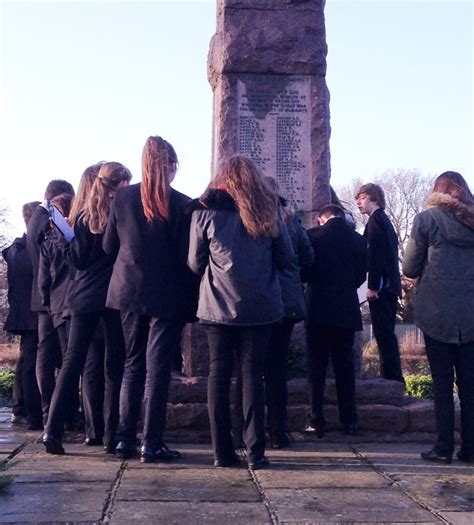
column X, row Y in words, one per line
column 195, row 350
column 273, row 37
column 188, row 415
column 322, row 478
column 422, row 416
column 267, row 66
column 397, row 458
column 177, row 513
column 459, row 518
column 383, row 418
column 53, row 502
column 441, row 492
column 380, row 391
column 345, row 505
column 188, row 485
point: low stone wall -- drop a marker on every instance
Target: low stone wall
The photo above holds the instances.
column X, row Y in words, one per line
column 382, row 407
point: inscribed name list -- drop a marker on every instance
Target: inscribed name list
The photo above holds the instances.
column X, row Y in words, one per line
column 275, row 131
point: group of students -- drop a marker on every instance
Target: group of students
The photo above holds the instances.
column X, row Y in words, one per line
column 143, row 260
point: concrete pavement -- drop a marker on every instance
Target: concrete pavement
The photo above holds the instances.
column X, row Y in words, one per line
column 312, row 482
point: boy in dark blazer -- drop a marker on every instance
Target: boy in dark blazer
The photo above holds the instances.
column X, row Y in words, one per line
column 333, row 314
column 384, row 286
column 23, row 322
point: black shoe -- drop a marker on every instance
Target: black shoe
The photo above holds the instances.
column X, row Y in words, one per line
column 233, row 461
column 280, row 441
column 464, row 456
column 310, row 429
column 259, row 463
column 109, row 448
column 433, row 456
column 93, row 442
column 125, row 451
column 53, row 446
column 163, row 453
column 351, row 430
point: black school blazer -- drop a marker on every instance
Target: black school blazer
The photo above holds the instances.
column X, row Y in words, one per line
column 150, row 276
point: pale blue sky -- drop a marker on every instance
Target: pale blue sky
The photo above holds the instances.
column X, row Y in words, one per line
column 85, row 81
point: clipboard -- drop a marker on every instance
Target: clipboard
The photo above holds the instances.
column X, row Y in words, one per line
column 61, row 224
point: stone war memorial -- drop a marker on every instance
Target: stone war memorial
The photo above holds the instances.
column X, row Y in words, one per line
column 267, row 70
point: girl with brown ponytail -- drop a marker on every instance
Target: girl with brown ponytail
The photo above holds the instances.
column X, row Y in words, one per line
column 147, row 234
column 86, row 303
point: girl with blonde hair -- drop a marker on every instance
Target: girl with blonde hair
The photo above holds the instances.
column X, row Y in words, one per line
column 86, row 302
column 237, row 244
column 147, row 234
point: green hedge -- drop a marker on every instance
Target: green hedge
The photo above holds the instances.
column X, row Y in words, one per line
column 7, row 377
column 419, row 386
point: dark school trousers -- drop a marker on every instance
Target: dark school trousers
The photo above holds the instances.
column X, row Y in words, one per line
column 383, row 312
column 251, row 344
column 48, row 359
column 276, row 364
column 150, row 349
column 324, row 342
column 444, row 360
column 81, row 335
column 26, row 397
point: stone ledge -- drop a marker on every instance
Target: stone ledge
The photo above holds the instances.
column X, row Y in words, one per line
column 368, row 391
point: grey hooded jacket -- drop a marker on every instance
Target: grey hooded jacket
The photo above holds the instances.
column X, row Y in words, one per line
column 440, row 252
column 239, row 284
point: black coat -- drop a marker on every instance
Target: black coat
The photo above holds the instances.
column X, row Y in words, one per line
column 53, row 275
column 382, row 261
column 150, row 276
column 20, row 280
column 36, row 233
column 87, row 290
column 339, row 269
column 239, row 284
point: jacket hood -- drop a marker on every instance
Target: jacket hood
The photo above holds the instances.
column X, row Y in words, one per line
column 215, row 199
column 454, row 218
column 19, row 240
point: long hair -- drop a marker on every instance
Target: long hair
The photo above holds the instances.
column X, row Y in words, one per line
column 106, row 184
column 85, row 186
column 257, row 204
column 159, row 159
column 453, row 183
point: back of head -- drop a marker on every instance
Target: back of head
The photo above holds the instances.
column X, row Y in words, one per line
column 453, row 184
column 57, row 186
column 374, row 192
column 332, row 210
column 256, row 202
column 28, row 209
column 159, row 162
column 63, row 203
column 85, row 185
column 111, row 176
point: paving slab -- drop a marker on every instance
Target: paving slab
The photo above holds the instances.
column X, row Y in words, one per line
column 322, row 477
column 345, row 505
column 217, row 485
column 441, row 492
column 172, row 513
column 459, row 518
column 405, row 458
column 53, row 502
